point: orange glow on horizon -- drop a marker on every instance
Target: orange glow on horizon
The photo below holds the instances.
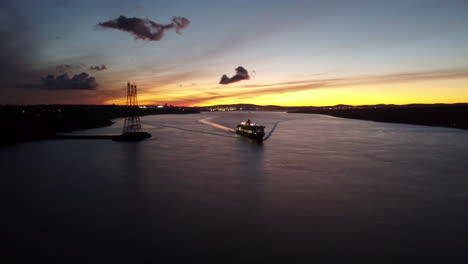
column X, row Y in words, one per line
column 315, row 94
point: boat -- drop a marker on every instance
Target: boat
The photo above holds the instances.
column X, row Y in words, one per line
column 250, row 130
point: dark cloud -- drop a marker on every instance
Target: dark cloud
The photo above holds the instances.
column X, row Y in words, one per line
column 98, row 68
column 241, row 74
column 80, row 81
column 145, row 29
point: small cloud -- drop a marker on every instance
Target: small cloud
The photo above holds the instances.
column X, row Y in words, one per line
column 64, row 68
column 98, row 68
column 80, row 81
column 241, row 74
column 145, row 29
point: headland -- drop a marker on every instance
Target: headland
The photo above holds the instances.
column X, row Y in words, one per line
column 35, row 122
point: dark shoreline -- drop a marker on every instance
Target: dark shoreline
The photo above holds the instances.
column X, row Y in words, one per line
column 37, row 122
column 439, row 115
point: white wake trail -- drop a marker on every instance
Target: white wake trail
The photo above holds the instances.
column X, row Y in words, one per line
column 206, row 122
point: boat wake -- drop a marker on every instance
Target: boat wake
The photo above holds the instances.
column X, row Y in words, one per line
column 206, row 122
column 190, row 130
column 274, row 128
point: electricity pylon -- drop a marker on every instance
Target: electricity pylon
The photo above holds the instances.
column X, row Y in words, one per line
column 132, row 121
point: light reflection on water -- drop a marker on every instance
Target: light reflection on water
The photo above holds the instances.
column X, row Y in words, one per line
column 317, row 187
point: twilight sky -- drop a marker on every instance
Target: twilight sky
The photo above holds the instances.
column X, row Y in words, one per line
column 296, row 52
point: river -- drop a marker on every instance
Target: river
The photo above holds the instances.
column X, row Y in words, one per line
column 318, row 188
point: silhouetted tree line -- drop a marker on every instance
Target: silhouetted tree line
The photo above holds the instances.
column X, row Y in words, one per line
column 445, row 115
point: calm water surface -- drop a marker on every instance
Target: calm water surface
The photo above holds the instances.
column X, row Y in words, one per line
column 319, row 188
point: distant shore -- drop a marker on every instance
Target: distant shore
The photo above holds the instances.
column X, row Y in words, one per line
column 441, row 115
column 36, row 122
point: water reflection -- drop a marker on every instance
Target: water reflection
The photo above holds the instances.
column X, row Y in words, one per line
column 250, row 153
column 251, row 178
column 131, row 156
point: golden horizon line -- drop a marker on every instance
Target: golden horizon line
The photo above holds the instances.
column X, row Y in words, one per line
column 235, row 104
column 311, row 84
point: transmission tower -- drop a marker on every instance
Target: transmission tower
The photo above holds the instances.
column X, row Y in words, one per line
column 132, row 121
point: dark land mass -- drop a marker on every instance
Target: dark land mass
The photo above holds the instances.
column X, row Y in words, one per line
column 444, row 115
column 23, row 123
column 33, row 122
column 245, row 107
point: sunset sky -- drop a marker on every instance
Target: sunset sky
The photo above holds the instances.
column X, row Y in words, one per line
column 298, row 52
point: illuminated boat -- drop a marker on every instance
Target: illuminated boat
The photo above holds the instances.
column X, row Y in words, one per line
column 250, row 130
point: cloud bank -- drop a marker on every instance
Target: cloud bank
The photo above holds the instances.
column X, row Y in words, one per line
column 80, row 81
column 241, row 74
column 98, row 68
column 145, row 29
